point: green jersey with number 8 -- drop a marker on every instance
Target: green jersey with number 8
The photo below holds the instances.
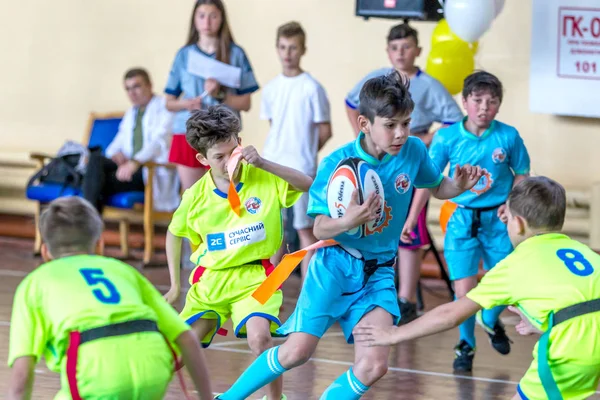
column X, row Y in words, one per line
column 545, row 274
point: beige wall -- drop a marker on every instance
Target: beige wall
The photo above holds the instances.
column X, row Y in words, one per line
column 65, row 58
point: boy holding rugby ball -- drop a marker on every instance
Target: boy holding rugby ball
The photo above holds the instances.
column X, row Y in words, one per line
column 350, row 280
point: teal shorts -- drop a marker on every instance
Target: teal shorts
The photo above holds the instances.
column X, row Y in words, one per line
column 463, row 252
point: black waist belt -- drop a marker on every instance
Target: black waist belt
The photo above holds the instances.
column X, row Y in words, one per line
column 567, row 313
column 576, row 310
column 476, row 224
column 369, row 268
column 122, row 328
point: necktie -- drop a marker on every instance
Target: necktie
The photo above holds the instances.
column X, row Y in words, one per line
column 138, row 137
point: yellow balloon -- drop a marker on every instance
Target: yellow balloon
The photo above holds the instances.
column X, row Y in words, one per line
column 450, row 62
column 443, row 33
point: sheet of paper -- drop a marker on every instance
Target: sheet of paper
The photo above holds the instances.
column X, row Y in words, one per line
column 207, row 67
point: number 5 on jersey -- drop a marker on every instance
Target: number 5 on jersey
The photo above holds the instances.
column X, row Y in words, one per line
column 94, row 277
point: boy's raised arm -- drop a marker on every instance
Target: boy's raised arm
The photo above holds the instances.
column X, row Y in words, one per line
column 464, row 178
column 296, row 179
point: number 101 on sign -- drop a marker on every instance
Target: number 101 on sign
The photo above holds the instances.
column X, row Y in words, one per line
column 586, row 67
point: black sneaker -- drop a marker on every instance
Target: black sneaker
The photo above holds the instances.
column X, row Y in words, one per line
column 408, row 311
column 500, row 342
column 464, row 357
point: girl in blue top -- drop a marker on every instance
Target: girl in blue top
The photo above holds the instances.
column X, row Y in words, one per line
column 209, row 36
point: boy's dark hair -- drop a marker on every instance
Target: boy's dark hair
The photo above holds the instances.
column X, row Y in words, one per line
column 207, row 127
column 291, row 29
column 541, row 201
column 141, row 72
column 403, row 31
column 70, row 225
column 482, row 81
column 385, row 96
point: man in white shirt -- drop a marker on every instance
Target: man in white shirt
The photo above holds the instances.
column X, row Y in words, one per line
column 144, row 135
column 298, row 109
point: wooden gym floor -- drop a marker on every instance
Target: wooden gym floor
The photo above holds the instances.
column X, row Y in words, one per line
column 418, row 370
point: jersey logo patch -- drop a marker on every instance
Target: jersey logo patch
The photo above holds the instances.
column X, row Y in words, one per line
column 402, row 183
column 382, row 221
column 483, row 184
column 253, row 205
column 499, row 155
column 237, row 237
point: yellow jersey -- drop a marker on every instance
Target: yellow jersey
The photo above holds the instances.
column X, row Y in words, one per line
column 548, row 273
column 77, row 293
column 225, row 239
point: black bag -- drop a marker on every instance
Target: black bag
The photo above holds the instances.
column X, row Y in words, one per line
column 60, row 170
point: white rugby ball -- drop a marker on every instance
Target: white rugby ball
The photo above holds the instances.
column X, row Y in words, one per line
column 340, row 187
column 370, row 182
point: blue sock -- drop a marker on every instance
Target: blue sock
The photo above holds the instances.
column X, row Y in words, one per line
column 467, row 331
column 345, row 387
column 490, row 317
column 265, row 369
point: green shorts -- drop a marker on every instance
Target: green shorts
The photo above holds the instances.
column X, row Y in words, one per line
column 138, row 366
column 227, row 293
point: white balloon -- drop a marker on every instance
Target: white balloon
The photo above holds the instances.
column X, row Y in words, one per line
column 498, row 7
column 469, row 19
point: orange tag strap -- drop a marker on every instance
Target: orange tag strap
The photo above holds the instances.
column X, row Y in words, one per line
column 285, row 268
column 446, row 212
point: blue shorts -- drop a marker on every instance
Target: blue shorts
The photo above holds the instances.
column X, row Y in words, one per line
column 333, row 271
column 463, row 252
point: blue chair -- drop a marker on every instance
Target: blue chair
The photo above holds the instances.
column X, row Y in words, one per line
column 124, row 207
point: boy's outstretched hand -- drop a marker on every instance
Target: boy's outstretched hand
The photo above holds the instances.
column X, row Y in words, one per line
column 371, row 335
column 467, row 176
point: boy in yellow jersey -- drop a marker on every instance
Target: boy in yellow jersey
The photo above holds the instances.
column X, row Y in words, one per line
column 563, row 304
column 232, row 251
column 95, row 320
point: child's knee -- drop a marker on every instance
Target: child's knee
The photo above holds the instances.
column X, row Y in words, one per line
column 293, row 355
column 371, row 369
column 464, row 286
column 260, row 342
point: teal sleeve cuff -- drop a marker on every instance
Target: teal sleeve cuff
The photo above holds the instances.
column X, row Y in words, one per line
column 436, row 183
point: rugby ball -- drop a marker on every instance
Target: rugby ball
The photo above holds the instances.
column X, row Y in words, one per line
column 349, row 175
column 370, row 182
column 342, row 183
